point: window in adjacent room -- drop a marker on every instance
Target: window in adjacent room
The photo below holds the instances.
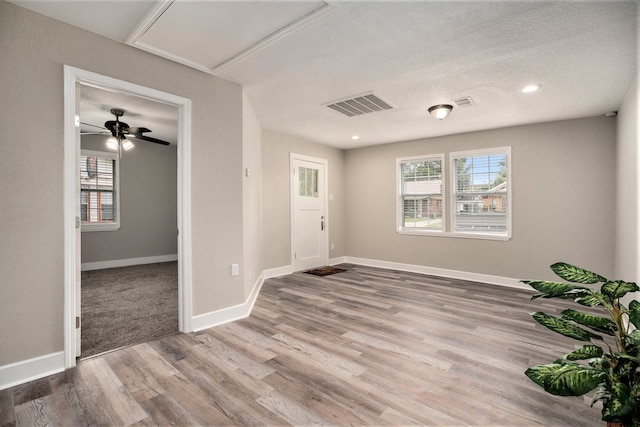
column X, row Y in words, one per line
column 99, row 192
column 481, row 192
column 420, row 201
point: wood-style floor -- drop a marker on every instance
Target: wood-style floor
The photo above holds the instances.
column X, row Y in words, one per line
column 363, row 347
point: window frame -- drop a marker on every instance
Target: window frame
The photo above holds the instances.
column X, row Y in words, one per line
column 400, row 228
column 106, row 226
column 449, row 195
column 495, row 151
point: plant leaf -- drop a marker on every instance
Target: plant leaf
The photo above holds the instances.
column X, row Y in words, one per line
column 633, row 338
column 590, row 298
column 563, row 327
column 630, row 358
column 618, row 289
column 539, row 373
column 588, row 351
column 575, row 274
column 568, row 379
column 552, row 289
column 600, row 324
column 620, row 404
column 634, row 313
column 601, row 393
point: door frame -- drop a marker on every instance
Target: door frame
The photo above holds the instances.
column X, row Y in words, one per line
column 72, row 77
column 292, row 188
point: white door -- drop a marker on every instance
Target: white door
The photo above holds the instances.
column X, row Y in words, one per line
column 308, row 212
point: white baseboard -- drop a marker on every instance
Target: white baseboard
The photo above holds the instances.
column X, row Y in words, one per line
column 411, row 268
column 87, row 266
column 31, row 369
column 277, row 272
column 338, row 260
column 229, row 314
column 442, row 272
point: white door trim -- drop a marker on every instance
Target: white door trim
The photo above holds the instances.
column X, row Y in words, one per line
column 325, row 201
column 72, row 76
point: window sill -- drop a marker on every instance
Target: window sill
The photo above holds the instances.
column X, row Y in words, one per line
column 457, row 235
column 99, row 227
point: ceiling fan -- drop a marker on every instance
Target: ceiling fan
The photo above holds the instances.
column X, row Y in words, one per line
column 120, row 130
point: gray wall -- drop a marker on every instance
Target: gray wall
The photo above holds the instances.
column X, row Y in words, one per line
column 34, row 49
column 563, row 183
column 252, row 196
column 276, row 148
column 148, row 205
column 628, row 186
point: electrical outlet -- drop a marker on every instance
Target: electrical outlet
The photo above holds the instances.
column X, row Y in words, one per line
column 234, row 270
column 332, row 246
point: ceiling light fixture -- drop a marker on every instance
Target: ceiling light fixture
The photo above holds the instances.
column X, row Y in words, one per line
column 112, row 143
column 531, row 88
column 354, row 137
column 127, row 145
column 440, row 111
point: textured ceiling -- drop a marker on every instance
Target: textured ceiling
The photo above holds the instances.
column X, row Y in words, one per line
column 413, row 54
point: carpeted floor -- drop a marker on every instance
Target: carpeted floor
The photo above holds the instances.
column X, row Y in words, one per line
column 128, row 305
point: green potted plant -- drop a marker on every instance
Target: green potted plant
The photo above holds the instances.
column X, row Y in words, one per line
column 608, row 363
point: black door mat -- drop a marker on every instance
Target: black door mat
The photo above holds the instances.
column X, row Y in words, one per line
column 325, row 271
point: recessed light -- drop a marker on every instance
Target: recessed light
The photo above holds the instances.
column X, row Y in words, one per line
column 354, row 137
column 531, row 88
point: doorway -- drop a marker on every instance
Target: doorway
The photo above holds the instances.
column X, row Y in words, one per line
column 73, row 78
column 309, row 221
column 128, row 216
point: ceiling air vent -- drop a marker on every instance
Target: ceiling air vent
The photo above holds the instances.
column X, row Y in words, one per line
column 361, row 104
column 465, row 101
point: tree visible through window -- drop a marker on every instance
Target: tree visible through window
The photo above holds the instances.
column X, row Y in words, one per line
column 98, row 190
column 481, row 191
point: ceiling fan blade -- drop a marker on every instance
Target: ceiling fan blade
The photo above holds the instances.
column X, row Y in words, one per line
column 93, row 126
column 138, row 130
column 150, row 139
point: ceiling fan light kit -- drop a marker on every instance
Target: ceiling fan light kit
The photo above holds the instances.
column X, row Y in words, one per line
column 119, row 131
column 112, row 143
column 127, row 145
column 440, row 111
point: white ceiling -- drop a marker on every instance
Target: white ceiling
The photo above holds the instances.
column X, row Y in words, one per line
column 95, row 109
column 294, row 57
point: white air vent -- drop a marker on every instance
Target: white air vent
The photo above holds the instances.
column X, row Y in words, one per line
column 464, row 102
column 360, row 104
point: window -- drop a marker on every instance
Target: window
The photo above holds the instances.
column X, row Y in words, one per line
column 478, row 186
column 481, row 192
column 420, row 194
column 99, row 193
column 308, row 182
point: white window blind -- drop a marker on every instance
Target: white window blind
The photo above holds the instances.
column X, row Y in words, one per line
column 481, row 191
column 420, row 202
column 99, row 195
